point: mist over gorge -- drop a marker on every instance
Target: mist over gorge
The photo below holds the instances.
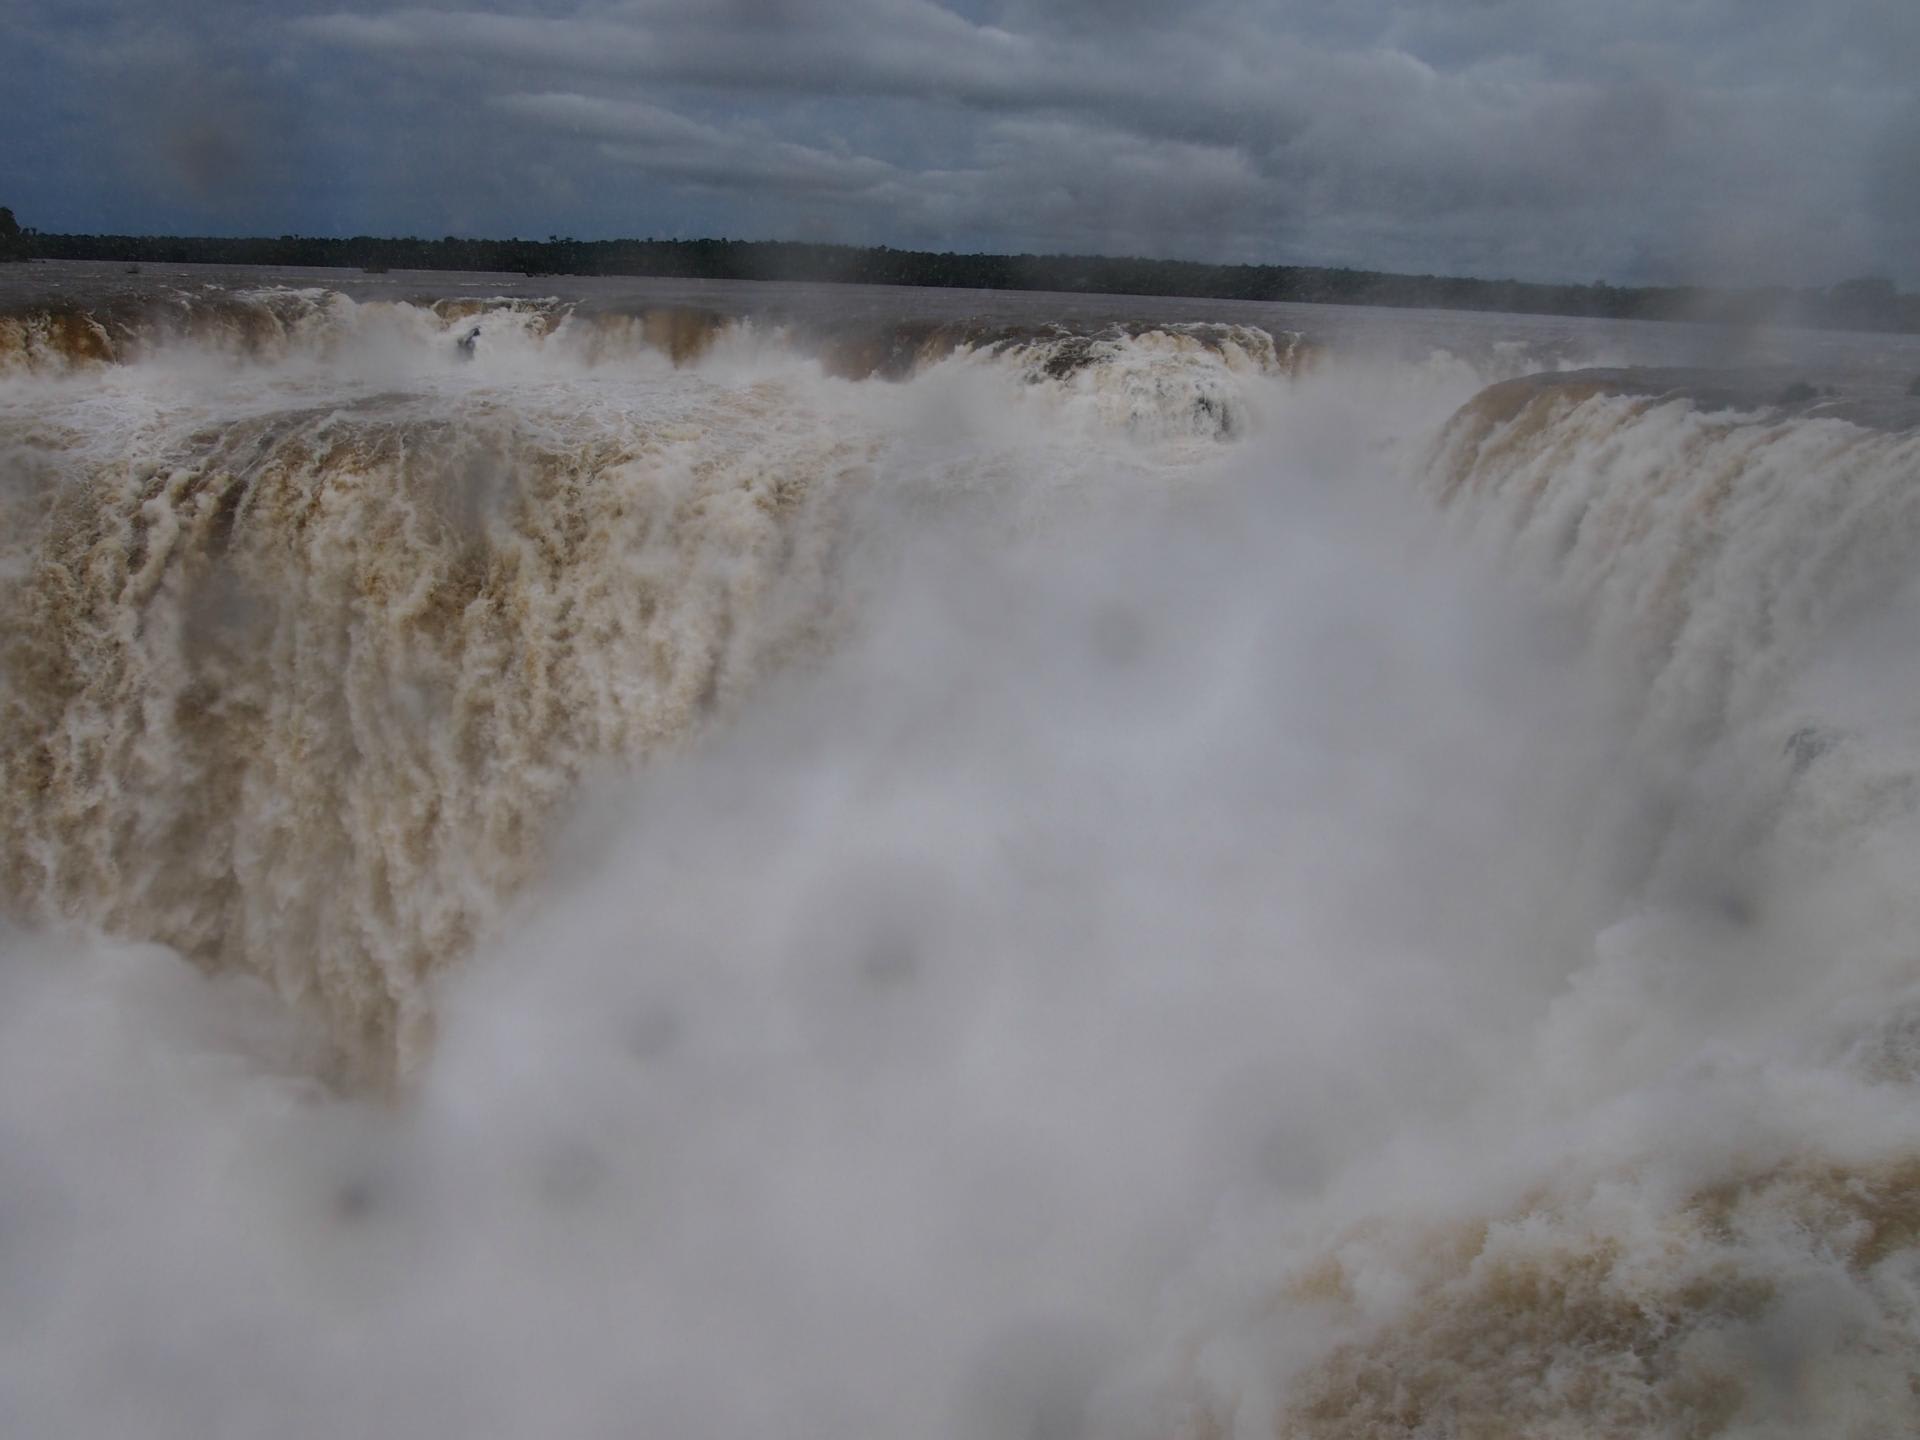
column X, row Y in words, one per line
column 687, row 861
column 1170, row 723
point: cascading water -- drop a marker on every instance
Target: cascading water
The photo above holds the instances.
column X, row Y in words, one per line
column 376, row 631
column 764, row 875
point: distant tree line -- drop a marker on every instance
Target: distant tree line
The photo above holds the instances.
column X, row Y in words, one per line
column 1869, row 303
column 14, row 242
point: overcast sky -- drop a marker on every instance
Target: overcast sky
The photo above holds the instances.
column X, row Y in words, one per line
column 1627, row 140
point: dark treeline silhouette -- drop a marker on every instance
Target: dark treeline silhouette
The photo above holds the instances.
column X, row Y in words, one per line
column 1863, row 304
column 15, row 243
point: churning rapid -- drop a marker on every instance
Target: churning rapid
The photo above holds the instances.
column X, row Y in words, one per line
column 771, row 863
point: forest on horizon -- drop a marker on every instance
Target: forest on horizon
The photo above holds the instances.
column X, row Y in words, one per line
column 1869, row 303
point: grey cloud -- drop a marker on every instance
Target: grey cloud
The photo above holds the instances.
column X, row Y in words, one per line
column 912, row 48
column 1751, row 139
column 1077, row 187
column 878, row 49
column 671, row 145
column 170, row 110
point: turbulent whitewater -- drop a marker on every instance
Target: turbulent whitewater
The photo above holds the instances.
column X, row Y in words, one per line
column 724, row 865
column 376, row 634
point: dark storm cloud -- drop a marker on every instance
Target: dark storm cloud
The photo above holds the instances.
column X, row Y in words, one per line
column 671, row 145
column 170, row 112
column 1554, row 138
